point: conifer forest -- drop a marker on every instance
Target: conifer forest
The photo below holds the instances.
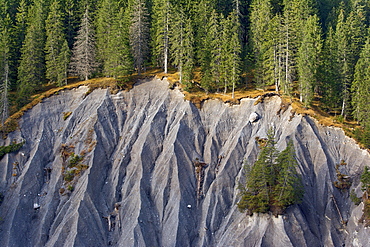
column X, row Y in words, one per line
column 311, row 49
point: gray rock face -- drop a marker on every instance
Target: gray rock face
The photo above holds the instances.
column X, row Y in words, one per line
column 140, row 147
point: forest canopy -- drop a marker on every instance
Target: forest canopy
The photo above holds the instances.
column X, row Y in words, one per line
column 303, row 48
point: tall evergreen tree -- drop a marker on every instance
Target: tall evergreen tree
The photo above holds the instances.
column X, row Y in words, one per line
column 119, row 59
column 261, row 178
column 139, row 33
column 231, row 39
column 214, row 48
column 329, row 77
column 161, row 31
column 19, row 33
column 260, row 18
column 83, row 60
column 361, row 87
column 54, row 42
column 72, row 15
column 63, row 60
column 31, row 70
column 295, row 14
column 182, row 46
column 308, row 61
column 5, row 45
column 351, row 34
column 105, row 21
column 289, row 187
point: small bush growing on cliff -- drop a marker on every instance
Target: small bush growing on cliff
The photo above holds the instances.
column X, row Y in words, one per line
column 75, row 159
column 10, row 148
column 273, row 182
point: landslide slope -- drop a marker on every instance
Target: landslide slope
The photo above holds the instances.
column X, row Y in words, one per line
column 139, row 148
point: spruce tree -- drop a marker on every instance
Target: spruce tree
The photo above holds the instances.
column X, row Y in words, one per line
column 231, row 39
column 214, row 47
column 353, row 28
column 19, row 33
column 295, row 14
column 361, row 87
column 5, row 57
column 119, row 59
column 308, row 61
column 161, row 31
column 182, row 46
column 54, row 42
column 260, row 180
column 139, row 33
column 260, row 18
column 72, row 15
column 329, row 76
column 272, row 183
column 289, row 188
column 31, row 70
column 105, row 20
column 203, row 21
column 83, row 60
column 63, row 60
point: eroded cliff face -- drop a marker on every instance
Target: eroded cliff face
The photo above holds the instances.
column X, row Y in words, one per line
column 138, row 174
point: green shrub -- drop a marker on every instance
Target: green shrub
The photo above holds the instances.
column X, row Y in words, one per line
column 70, row 188
column 356, row 200
column 10, row 148
column 69, row 175
column 75, row 159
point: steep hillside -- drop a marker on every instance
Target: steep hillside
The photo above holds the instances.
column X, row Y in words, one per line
column 137, row 184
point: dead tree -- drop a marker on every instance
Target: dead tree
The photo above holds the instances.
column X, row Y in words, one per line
column 199, row 174
column 113, row 218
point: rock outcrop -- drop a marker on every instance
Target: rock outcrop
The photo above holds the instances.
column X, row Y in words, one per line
column 144, row 152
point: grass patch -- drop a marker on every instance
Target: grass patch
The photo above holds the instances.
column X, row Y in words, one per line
column 66, row 115
column 10, row 148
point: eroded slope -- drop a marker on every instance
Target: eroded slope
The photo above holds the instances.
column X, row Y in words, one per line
column 139, row 150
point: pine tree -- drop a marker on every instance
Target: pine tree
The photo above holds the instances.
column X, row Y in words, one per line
column 295, row 14
column 119, row 59
column 361, row 87
column 31, row 70
column 83, row 60
column 308, row 61
column 272, row 183
column 5, row 45
column 105, row 20
column 54, row 43
column 72, row 14
column 354, row 29
column 212, row 70
column 262, row 177
column 139, row 33
column 329, row 77
column 289, row 187
column 260, row 18
column 19, row 34
column 203, row 21
column 161, row 31
column 182, row 46
column 63, row 60
column 231, row 39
